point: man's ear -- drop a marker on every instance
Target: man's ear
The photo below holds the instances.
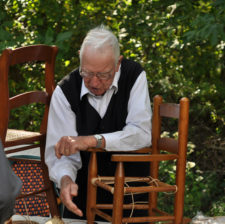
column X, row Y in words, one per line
column 119, row 62
column 78, row 52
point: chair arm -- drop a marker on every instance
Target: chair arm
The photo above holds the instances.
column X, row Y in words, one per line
column 142, row 158
column 96, row 150
column 142, row 150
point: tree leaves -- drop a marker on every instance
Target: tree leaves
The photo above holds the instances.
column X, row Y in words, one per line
column 209, row 25
column 63, row 36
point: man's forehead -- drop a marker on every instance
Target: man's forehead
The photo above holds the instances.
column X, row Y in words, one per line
column 105, row 50
column 94, row 57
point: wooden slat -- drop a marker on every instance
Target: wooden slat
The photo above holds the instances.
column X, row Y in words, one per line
column 170, row 110
column 32, row 193
column 24, row 148
column 28, row 98
column 104, row 186
column 142, row 158
column 141, row 206
column 96, row 150
column 31, row 53
column 147, row 219
column 103, row 215
column 169, row 188
column 142, row 150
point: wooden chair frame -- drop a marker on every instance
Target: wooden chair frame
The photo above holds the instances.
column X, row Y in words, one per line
column 9, row 57
column 175, row 150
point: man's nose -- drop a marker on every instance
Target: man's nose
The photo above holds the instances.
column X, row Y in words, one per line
column 94, row 81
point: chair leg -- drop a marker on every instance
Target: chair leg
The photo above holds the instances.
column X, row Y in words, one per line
column 179, row 206
column 118, row 195
column 50, row 192
column 179, row 197
column 153, row 195
column 91, row 189
column 152, row 203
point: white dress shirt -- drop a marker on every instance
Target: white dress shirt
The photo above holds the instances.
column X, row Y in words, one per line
column 62, row 122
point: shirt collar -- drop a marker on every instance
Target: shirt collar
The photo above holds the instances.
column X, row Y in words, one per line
column 114, row 85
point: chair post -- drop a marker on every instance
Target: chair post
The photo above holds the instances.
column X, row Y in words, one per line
column 155, row 136
column 49, row 72
column 118, row 194
column 91, row 189
column 4, row 93
column 182, row 141
column 50, row 193
column 49, row 85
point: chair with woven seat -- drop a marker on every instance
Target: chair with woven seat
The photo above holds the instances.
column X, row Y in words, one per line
column 22, row 140
column 163, row 149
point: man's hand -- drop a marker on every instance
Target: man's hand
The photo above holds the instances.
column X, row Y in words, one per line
column 68, row 145
column 68, row 190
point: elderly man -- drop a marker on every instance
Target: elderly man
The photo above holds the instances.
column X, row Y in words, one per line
column 105, row 103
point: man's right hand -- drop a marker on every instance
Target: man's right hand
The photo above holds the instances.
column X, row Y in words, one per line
column 68, row 190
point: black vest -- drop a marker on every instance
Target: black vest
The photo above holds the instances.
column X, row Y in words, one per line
column 89, row 122
column 87, row 119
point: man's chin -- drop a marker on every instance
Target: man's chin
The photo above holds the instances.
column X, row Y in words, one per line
column 97, row 93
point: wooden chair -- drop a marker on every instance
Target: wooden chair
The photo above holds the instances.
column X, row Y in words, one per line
column 163, row 149
column 21, row 140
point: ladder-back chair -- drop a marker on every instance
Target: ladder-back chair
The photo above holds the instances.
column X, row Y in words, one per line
column 163, row 149
column 22, row 140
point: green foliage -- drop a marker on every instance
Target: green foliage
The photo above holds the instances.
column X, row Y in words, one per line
column 209, row 24
column 180, row 45
column 202, row 193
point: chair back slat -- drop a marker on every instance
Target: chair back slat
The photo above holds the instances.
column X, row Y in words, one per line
column 29, row 98
column 30, row 54
column 171, row 110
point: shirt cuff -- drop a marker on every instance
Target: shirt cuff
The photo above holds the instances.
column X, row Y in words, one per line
column 65, row 170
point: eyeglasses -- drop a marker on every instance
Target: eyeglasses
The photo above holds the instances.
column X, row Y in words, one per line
column 100, row 75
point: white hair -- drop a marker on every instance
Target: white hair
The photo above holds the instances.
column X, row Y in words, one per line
column 101, row 38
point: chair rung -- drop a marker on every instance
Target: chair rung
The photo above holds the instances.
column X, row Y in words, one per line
column 150, row 189
column 32, row 193
column 147, row 219
column 111, row 180
column 125, row 206
column 103, row 215
column 160, row 212
column 104, row 186
column 31, row 160
column 23, row 148
column 104, row 206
